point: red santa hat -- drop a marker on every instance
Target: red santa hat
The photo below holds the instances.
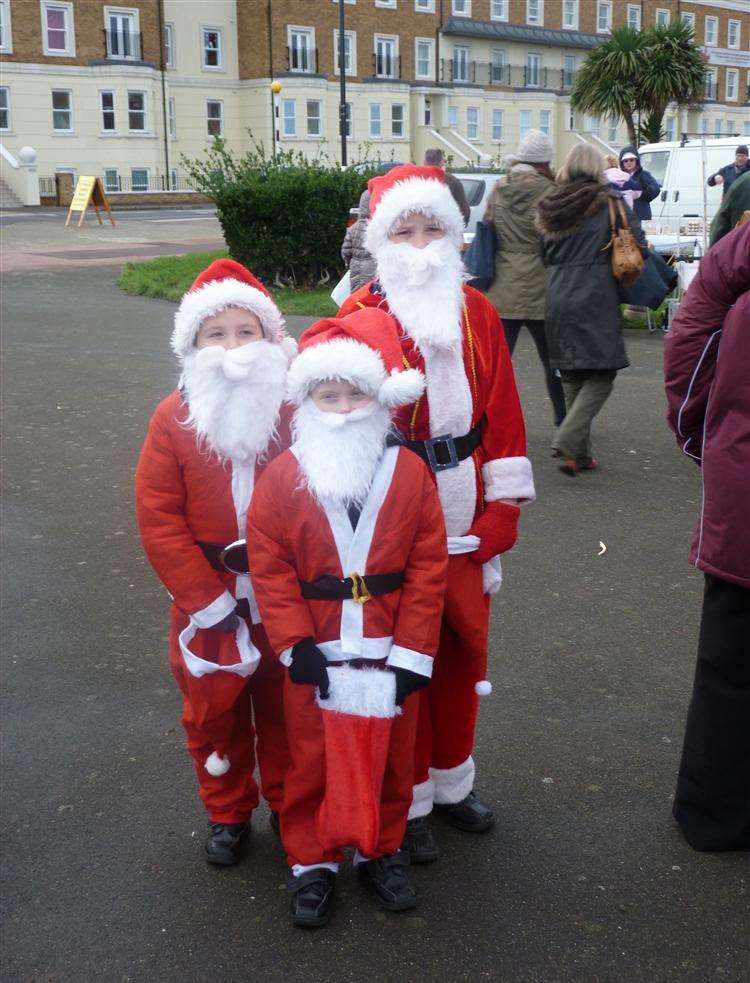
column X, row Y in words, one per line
column 362, row 348
column 226, row 283
column 407, row 190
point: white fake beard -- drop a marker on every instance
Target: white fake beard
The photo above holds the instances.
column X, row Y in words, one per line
column 424, row 290
column 234, row 397
column 338, row 453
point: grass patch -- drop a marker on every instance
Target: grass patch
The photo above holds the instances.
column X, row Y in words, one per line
column 168, row 277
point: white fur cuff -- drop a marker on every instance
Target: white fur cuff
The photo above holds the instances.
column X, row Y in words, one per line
column 360, row 692
column 404, row 658
column 508, row 479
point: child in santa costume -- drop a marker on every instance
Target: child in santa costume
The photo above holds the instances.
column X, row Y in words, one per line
column 469, row 428
column 206, row 446
column 347, row 552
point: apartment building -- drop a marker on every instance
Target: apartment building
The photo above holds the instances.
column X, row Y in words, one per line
column 123, row 91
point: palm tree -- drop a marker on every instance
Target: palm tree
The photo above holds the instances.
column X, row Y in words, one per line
column 606, row 83
column 673, row 70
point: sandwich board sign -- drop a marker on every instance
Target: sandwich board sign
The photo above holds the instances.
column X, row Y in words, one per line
column 89, row 191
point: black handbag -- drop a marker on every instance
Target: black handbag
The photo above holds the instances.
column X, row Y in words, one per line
column 657, row 280
column 479, row 258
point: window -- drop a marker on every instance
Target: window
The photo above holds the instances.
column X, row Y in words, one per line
column 169, row 45
column 534, row 11
column 717, row 127
column 386, row 3
column 171, row 118
column 593, row 124
column 423, row 58
column 689, row 19
column 524, row 122
column 498, row 65
column 453, row 117
column 6, row 34
column 634, row 17
column 301, row 49
column 348, row 125
column 570, row 15
column 288, row 118
column 711, row 30
column 604, row 16
column 426, row 6
column 611, row 130
column 472, row 123
column 569, row 71
column 139, row 178
column 398, row 119
column 214, row 118
column 711, row 83
column 111, row 179
column 460, row 64
column 732, row 84
column 212, row 48
column 137, row 112
column 497, row 125
column 4, row 107
column 427, row 114
column 731, row 128
column 746, row 128
column 662, row 17
column 704, row 124
column 123, row 40
column 671, row 128
column 350, row 52
column 545, row 121
column 499, row 9
column 375, row 120
column 533, row 70
column 108, row 111
column 313, row 117
column 462, row 8
column 173, row 179
column 62, row 110
column 385, row 57
column 58, row 35
column 734, row 28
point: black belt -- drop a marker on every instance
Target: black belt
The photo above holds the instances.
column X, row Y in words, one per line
column 231, row 558
column 446, row 452
column 353, row 588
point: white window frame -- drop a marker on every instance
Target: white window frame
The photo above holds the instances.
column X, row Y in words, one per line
column 499, row 10
column 387, row 39
column 148, row 178
column 6, row 48
column 670, row 128
column 169, row 60
column 473, row 124
column 496, row 62
column 746, row 128
column 107, row 186
column 593, row 124
column 574, row 25
column 463, row 48
column 714, row 21
column 102, row 111
column 71, row 128
column 352, row 36
column 134, row 14
column 539, row 21
column 538, row 56
column 573, row 71
column 731, row 123
column 349, row 121
column 309, row 33
column 661, row 12
column 461, row 13
column 171, row 118
column 451, row 116
column 388, row 4
column 498, row 125
column 370, row 107
column 717, row 126
column 606, row 6
column 144, row 93
column 285, row 117
column 713, row 75
column 548, row 131
column 219, row 32
column 521, row 131
column 738, row 25
column 732, row 73
column 220, row 117
column 403, row 133
column 430, row 42
column 70, row 29
column 319, row 118
column 612, row 129
column 704, row 124
column 424, row 6
column 688, row 17
column 9, row 127
column 633, row 16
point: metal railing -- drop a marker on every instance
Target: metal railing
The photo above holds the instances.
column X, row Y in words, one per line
column 302, row 60
column 47, row 187
column 124, row 184
column 123, row 45
column 510, row 76
column 386, row 67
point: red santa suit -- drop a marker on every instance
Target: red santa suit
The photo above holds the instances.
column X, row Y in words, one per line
column 191, row 501
column 295, row 537
column 471, row 394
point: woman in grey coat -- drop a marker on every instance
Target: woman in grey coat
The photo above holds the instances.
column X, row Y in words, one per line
column 584, row 334
column 360, row 262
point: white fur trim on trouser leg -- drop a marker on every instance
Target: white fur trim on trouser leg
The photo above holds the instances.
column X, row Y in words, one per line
column 216, row 765
column 508, row 479
column 453, row 784
column 421, row 799
column 299, row 869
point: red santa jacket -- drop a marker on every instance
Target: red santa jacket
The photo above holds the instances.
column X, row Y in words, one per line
column 293, row 538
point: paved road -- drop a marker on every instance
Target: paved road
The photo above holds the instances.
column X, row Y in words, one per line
column 585, row 877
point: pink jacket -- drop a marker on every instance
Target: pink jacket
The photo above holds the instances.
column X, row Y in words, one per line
column 619, row 178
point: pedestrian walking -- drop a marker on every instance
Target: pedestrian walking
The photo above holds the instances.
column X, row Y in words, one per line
column 348, row 555
column 734, row 209
column 584, row 333
column 354, row 253
column 728, row 174
column 707, row 375
column 207, row 444
column 518, row 290
column 436, row 158
column 630, row 162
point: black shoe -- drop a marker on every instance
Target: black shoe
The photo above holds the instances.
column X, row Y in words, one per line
column 470, row 814
column 388, row 879
column 312, row 896
column 273, row 821
column 224, row 843
column 419, row 842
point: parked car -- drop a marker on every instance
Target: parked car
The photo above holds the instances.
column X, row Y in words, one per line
column 478, row 187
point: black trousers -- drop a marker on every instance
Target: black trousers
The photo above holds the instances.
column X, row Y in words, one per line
column 554, row 386
column 712, row 801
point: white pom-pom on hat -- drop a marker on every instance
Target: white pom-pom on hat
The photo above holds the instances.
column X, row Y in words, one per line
column 483, row 687
column 216, row 765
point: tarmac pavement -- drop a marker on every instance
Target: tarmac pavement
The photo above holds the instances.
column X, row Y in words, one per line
column 585, row 878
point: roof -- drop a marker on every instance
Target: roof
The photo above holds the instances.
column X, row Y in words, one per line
column 494, row 30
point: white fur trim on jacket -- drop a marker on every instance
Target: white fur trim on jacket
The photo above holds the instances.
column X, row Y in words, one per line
column 414, row 195
column 215, row 296
column 453, row 784
column 508, row 479
column 361, row 692
column 404, row 658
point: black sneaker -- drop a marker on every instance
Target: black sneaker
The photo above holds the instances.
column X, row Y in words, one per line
column 225, row 842
column 470, row 814
column 388, row 879
column 312, row 897
column 420, row 842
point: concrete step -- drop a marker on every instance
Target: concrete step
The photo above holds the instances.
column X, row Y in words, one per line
column 7, row 197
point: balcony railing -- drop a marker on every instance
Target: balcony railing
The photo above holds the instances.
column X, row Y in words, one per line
column 123, row 45
column 510, row 76
column 386, row 67
column 302, row 60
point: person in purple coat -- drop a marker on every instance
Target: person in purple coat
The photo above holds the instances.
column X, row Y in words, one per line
column 707, row 374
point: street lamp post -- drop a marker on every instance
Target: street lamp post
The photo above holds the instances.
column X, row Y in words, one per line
column 342, row 82
column 276, row 135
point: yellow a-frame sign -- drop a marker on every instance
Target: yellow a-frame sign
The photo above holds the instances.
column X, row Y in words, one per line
column 89, row 191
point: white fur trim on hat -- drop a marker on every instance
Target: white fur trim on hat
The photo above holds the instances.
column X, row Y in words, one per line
column 402, row 387
column 414, row 195
column 216, row 296
column 361, row 692
column 216, row 765
column 483, row 687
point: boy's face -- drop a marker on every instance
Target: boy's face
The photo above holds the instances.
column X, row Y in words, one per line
column 230, row 328
column 334, row 396
column 418, row 230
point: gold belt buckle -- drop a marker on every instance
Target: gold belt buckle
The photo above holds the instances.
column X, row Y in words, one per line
column 360, row 593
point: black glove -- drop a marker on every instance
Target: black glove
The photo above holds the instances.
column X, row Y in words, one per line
column 407, row 682
column 229, row 623
column 309, row 666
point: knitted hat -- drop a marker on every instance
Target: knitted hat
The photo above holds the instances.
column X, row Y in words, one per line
column 535, row 148
column 407, row 190
column 742, row 149
column 362, row 348
column 223, row 284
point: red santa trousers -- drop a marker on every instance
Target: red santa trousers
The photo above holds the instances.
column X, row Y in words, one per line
column 311, row 832
column 443, row 768
column 252, row 723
